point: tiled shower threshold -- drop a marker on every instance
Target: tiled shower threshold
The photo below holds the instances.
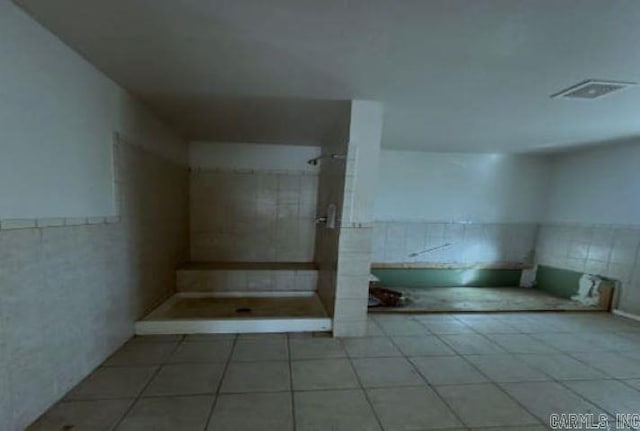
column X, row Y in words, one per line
column 236, row 312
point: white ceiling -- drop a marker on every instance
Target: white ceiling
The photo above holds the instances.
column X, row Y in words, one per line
column 455, row 75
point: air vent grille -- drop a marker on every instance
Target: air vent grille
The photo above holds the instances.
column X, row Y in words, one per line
column 592, row 89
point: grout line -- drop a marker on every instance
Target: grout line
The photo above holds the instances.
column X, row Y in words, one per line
column 561, row 382
column 222, row 377
column 364, row 391
column 428, row 384
column 499, row 385
column 144, row 388
column 291, row 393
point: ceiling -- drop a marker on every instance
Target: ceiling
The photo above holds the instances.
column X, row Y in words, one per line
column 454, row 75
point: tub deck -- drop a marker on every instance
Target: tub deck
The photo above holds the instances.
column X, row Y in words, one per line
column 483, row 299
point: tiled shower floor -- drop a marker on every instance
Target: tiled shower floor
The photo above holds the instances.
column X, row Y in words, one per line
column 411, row 372
column 208, row 307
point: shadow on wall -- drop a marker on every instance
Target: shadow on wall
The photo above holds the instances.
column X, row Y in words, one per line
column 251, row 119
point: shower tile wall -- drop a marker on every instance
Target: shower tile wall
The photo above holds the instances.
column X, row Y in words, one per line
column 69, row 294
column 394, row 242
column 252, row 216
column 607, row 250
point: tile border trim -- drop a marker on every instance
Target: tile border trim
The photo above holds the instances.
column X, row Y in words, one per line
column 49, row 222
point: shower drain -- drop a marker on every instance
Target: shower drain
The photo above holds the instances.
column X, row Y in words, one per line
column 243, row 310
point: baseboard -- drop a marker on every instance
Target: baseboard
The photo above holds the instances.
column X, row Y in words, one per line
column 625, row 314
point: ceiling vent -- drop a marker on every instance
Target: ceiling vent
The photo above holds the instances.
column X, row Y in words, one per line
column 592, row 89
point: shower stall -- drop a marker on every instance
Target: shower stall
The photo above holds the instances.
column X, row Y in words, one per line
column 280, row 235
column 253, row 238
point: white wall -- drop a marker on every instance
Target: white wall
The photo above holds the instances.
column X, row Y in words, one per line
column 448, row 187
column 600, row 186
column 57, row 119
column 69, row 295
column 220, row 155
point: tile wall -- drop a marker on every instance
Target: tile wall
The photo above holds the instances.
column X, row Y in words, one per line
column 331, row 181
column 71, row 290
column 607, row 250
column 356, row 227
column 453, row 243
column 252, row 216
column 220, row 280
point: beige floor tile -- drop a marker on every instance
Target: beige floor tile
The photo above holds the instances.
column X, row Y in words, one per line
column 186, row 379
column 447, row 370
column 346, row 410
column 613, row 396
column 561, row 366
column 520, row 428
column 82, row 415
column 262, row 335
column 471, row 344
column 316, row 348
column 506, row 368
column 381, row 372
column 425, row 345
column 214, row 351
column 402, row 327
column 615, row 364
column 520, row 343
column 370, row 347
column 255, row 412
column 609, row 341
column 198, row 338
column 317, row 374
column 169, row 338
column 264, row 376
column 492, row 326
column 545, row 398
column 260, row 349
column 415, row 408
column 634, row 383
column 113, row 382
column 168, row 414
column 444, row 324
column 373, row 329
column 141, row 353
column 567, row 342
column 485, row 405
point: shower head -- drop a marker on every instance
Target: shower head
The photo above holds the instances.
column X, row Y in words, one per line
column 316, row 160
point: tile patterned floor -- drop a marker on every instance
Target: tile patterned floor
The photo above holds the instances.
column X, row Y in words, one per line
column 412, row 372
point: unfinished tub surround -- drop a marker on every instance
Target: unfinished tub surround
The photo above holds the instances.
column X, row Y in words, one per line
column 454, row 243
column 606, row 250
column 477, row 299
column 591, row 224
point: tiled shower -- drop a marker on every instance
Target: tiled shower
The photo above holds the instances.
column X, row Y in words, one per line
column 252, row 215
column 252, row 237
column 264, row 233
